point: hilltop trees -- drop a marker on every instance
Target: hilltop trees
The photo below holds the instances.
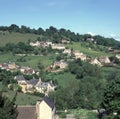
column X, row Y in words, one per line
column 14, row 28
column 100, row 40
column 56, row 35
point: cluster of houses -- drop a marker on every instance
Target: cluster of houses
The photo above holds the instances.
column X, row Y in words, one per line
column 11, row 66
column 47, row 44
column 34, row 84
column 30, row 85
column 101, row 61
column 41, row 44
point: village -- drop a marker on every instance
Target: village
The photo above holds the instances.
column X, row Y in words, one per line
column 30, row 81
column 37, row 85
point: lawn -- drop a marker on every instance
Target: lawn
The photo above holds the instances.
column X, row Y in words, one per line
column 83, row 114
column 78, row 114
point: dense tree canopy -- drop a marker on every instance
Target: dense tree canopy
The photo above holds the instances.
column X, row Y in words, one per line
column 111, row 102
column 8, row 109
column 83, row 69
column 86, row 92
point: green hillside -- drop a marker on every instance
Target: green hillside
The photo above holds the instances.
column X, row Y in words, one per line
column 87, row 50
column 14, row 37
column 32, row 61
column 80, row 86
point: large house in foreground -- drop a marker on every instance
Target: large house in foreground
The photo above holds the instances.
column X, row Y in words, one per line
column 44, row 109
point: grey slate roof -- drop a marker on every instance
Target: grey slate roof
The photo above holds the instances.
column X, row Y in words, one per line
column 20, row 77
column 27, row 112
column 49, row 102
column 33, row 81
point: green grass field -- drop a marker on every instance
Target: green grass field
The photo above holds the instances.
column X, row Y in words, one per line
column 87, row 51
column 6, row 37
column 78, row 114
column 31, row 61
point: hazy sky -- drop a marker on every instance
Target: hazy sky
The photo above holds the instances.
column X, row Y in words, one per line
column 81, row 16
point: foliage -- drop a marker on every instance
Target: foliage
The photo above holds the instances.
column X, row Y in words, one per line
column 6, row 77
column 8, row 109
column 91, row 92
column 84, row 93
column 65, row 97
column 56, row 35
column 111, row 101
column 19, row 48
column 100, row 40
column 82, row 69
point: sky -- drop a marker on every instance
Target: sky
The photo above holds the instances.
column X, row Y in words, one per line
column 96, row 17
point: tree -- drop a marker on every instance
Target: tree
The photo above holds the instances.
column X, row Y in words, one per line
column 40, row 31
column 111, row 101
column 65, row 97
column 40, row 66
column 13, row 27
column 8, row 109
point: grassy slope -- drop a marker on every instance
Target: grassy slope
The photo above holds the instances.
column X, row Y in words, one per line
column 24, row 37
column 16, row 37
column 62, row 79
column 93, row 53
column 31, row 61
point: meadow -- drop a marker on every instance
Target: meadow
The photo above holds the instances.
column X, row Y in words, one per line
column 13, row 37
column 29, row 60
column 87, row 51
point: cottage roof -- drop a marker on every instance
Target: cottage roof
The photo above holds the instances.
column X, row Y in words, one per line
column 20, row 77
column 33, row 81
column 26, row 112
column 49, row 102
column 28, row 71
column 42, row 85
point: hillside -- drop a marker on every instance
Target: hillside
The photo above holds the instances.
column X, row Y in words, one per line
column 14, row 37
column 62, row 58
column 32, row 61
column 56, row 35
